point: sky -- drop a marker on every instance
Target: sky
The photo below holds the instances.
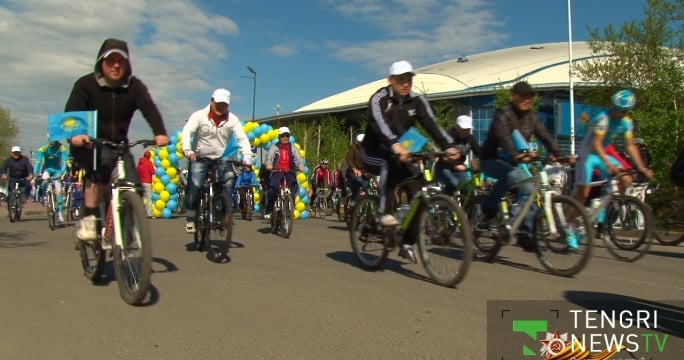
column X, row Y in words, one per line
column 302, row 51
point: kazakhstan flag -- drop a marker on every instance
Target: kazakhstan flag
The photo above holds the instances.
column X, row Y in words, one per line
column 412, row 140
column 68, row 124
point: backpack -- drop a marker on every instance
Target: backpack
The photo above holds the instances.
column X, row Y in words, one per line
column 677, row 170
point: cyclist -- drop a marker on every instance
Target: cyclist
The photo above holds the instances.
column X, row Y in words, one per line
column 452, row 173
column 51, row 162
column 605, row 127
column 354, row 168
column 393, row 110
column 19, row 170
column 321, row 178
column 282, row 159
column 212, row 128
column 500, row 157
column 116, row 94
column 245, row 181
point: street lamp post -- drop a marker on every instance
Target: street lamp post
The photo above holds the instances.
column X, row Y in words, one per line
column 254, row 77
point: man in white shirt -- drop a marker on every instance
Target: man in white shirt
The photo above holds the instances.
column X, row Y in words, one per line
column 206, row 135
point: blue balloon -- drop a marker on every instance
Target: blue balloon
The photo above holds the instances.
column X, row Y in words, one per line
column 292, row 139
column 174, row 197
column 251, row 136
column 172, row 204
column 157, row 162
column 257, row 207
column 159, row 172
column 165, row 179
column 306, row 170
column 173, row 157
column 302, row 215
column 172, row 188
column 155, row 196
column 305, row 199
column 302, row 192
column 167, row 213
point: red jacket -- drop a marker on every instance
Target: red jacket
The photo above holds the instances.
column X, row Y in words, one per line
column 145, row 170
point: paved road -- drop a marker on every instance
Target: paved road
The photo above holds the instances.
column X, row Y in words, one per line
column 298, row 298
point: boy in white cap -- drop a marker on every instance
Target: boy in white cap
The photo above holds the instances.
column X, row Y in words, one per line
column 453, row 173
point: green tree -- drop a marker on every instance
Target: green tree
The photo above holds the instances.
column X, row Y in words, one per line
column 645, row 56
column 8, row 132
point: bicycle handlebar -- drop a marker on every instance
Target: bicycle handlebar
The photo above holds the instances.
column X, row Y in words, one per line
column 123, row 145
column 218, row 161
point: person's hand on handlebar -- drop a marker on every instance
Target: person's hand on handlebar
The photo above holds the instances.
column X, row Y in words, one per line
column 526, row 157
column 403, row 154
column 80, row 140
column 190, row 155
column 161, row 140
column 647, row 172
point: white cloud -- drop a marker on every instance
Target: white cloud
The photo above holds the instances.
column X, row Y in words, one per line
column 55, row 42
column 283, row 50
column 422, row 31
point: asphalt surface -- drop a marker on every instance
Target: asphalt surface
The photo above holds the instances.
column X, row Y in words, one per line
column 298, row 298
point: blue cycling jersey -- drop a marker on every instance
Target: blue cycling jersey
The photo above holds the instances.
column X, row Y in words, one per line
column 51, row 158
column 610, row 128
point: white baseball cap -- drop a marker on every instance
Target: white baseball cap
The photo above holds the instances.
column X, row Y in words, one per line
column 359, row 137
column 401, row 67
column 16, row 149
column 283, row 130
column 221, row 96
column 464, row 122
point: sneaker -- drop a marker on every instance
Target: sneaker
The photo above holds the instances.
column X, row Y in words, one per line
column 388, row 220
column 86, row 228
column 571, row 239
column 267, row 216
column 190, row 227
column 60, row 218
column 407, row 252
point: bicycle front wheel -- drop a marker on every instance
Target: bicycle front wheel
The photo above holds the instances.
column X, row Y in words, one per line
column 628, row 228
column 133, row 257
column 445, row 240
column 50, row 209
column 220, row 229
column 367, row 240
column 68, row 206
column 286, row 217
column 565, row 251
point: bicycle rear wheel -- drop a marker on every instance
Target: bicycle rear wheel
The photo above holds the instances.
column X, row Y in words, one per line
column 329, row 207
column 342, row 208
column 133, row 259
column 557, row 251
column 367, row 241
column 628, row 228
column 15, row 208
column 287, row 217
column 445, row 240
column 68, row 205
column 220, row 229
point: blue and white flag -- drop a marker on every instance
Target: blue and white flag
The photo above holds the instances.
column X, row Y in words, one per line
column 412, row 140
column 68, row 124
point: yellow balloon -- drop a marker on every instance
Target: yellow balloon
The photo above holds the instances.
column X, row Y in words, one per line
column 155, row 179
column 256, row 197
column 304, row 185
column 163, row 153
column 297, row 199
column 156, row 212
column 160, row 205
column 165, row 164
column 180, row 154
column 164, row 196
column 297, row 146
column 273, row 134
column 158, row 187
column 302, row 153
column 179, row 147
column 295, row 214
column 256, row 142
column 171, row 172
column 175, row 180
column 300, row 206
column 263, row 138
column 301, row 177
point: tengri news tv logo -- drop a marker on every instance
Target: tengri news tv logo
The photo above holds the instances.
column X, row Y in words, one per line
column 545, row 330
column 592, row 338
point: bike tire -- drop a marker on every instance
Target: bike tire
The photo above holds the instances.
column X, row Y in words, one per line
column 668, row 241
column 630, row 239
column 202, row 214
column 286, row 218
column 249, row 208
column 364, row 234
column 219, row 229
column 15, row 209
column 133, row 259
column 445, row 240
column 181, row 202
column 342, row 209
column 329, row 207
column 275, row 216
column 68, row 206
column 51, row 213
column 553, row 249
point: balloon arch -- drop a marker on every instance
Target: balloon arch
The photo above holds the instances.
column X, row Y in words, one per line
column 166, row 160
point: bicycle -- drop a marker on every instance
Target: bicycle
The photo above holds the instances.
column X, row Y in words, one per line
column 669, row 220
column 245, row 201
column 551, row 227
column 346, row 204
column 125, row 234
column 180, row 209
column 16, row 202
column 51, row 204
column 282, row 217
column 214, row 217
column 445, row 244
column 72, row 201
column 320, row 206
column 628, row 222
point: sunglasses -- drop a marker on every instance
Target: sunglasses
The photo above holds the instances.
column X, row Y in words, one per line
column 284, row 135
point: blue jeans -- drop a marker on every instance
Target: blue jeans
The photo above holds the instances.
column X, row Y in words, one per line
column 356, row 183
column 452, row 179
column 507, row 175
column 274, row 186
column 197, row 174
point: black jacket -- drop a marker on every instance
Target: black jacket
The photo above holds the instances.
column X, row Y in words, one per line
column 389, row 118
column 17, row 168
column 506, row 119
column 115, row 105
